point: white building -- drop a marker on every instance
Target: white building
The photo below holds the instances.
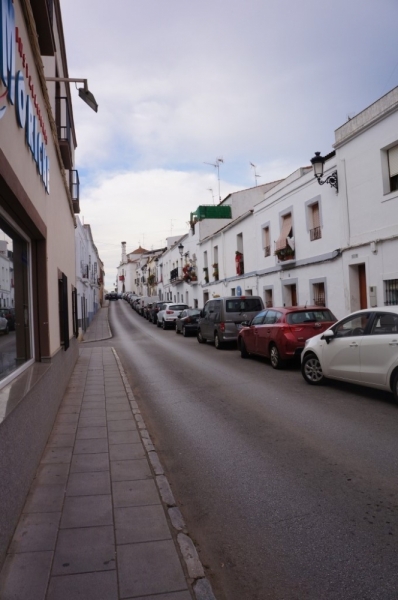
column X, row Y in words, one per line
column 295, row 242
column 89, row 276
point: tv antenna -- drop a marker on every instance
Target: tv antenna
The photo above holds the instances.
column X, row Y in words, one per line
column 256, row 176
column 212, row 193
column 217, row 166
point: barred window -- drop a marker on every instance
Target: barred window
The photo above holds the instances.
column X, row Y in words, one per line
column 391, row 292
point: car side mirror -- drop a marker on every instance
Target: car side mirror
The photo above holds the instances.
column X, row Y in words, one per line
column 245, row 323
column 328, row 336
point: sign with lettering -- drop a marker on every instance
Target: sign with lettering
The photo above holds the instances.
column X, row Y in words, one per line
column 19, row 92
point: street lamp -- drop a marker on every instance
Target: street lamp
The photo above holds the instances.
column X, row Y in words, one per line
column 318, row 162
column 180, row 249
column 84, row 92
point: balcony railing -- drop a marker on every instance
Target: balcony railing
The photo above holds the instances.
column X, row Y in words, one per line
column 74, row 186
column 176, row 275
column 315, row 234
column 64, row 130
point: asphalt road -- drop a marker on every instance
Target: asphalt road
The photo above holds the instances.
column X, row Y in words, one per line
column 289, row 491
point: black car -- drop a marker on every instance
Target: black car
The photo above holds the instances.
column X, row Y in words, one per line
column 187, row 322
column 153, row 313
column 113, row 296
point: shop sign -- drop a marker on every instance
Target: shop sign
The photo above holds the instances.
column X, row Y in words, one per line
column 27, row 109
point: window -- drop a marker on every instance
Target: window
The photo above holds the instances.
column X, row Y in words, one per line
column 284, row 245
column 384, row 324
column 352, row 326
column 315, row 223
column 393, row 167
column 243, row 305
column 268, row 298
column 318, row 290
column 15, row 350
column 258, row 319
column 271, row 317
column 233, row 292
column 391, row 292
column 267, row 241
column 63, row 310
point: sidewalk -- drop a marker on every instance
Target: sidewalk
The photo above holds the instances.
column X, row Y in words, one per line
column 100, row 521
column 99, row 327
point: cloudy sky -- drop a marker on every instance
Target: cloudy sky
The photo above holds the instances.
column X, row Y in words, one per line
column 183, row 82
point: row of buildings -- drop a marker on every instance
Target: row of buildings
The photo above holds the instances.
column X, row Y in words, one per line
column 51, row 274
column 330, row 239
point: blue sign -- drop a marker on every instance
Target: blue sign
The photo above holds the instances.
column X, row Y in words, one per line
column 27, row 109
column 238, row 291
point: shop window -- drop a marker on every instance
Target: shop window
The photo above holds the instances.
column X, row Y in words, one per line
column 15, row 325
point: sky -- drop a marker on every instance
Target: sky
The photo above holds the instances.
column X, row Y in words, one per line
column 181, row 83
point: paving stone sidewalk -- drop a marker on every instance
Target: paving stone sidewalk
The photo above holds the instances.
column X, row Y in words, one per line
column 99, row 328
column 100, row 521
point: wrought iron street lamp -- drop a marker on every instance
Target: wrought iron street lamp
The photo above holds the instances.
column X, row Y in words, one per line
column 180, row 249
column 318, row 162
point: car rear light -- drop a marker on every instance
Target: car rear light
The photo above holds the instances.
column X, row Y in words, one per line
column 188, row 320
column 222, row 327
column 169, row 312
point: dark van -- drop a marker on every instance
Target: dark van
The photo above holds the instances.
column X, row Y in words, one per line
column 221, row 318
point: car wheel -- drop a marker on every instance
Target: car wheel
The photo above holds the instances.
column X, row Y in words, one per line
column 243, row 350
column 200, row 337
column 219, row 345
column 184, row 332
column 163, row 325
column 311, row 370
column 394, row 386
column 276, row 362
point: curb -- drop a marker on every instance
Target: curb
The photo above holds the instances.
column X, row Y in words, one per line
column 200, row 584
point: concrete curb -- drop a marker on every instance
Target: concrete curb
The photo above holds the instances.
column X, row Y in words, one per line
column 200, row 584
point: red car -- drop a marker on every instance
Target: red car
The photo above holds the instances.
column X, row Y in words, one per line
column 280, row 333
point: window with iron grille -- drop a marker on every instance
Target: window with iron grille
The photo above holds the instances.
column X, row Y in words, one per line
column 319, row 294
column 315, row 231
column 268, row 298
column 391, row 292
column 266, row 241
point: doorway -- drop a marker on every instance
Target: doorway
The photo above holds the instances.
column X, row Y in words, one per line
column 358, row 288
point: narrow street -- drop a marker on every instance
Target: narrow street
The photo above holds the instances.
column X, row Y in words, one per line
column 288, row 491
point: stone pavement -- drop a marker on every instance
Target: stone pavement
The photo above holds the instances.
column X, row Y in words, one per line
column 100, row 521
column 99, row 327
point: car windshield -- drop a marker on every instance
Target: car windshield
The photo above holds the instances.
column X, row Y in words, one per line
column 309, row 316
column 178, row 307
column 243, row 305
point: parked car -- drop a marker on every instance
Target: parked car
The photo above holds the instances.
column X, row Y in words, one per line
column 153, row 313
column 362, row 348
column 169, row 313
column 4, row 327
column 221, row 318
column 187, row 322
column 9, row 314
column 113, row 296
column 280, row 333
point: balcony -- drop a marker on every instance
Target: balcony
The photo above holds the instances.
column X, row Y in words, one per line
column 285, row 253
column 74, row 187
column 64, row 130
column 315, row 234
column 176, row 276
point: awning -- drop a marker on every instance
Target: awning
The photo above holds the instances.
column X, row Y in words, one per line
column 285, row 231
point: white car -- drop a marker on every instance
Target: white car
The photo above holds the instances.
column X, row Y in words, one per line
column 361, row 348
column 168, row 315
column 4, row 327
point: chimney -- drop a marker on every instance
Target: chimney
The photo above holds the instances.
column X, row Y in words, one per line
column 124, row 255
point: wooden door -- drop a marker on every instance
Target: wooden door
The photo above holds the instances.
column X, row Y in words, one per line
column 294, row 294
column 363, row 301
